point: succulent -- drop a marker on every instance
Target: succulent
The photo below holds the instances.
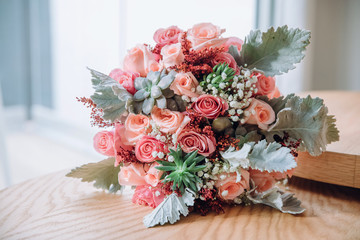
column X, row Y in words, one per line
column 183, row 169
column 154, row 90
column 150, row 90
column 222, row 73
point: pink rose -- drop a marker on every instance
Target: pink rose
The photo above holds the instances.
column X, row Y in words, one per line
column 167, row 36
column 185, row 84
column 203, row 32
column 147, row 195
column 141, row 60
column 104, row 143
column 233, row 41
column 263, row 180
column 260, row 113
column 229, row 188
column 168, row 121
column 133, row 174
column 191, row 141
column 265, row 85
column 126, row 79
column 153, row 175
column 172, row 55
column 120, row 142
column 146, row 146
column 224, row 57
column 274, row 94
column 210, row 106
column 135, row 128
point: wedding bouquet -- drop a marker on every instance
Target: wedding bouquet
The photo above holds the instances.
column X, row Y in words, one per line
column 197, row 122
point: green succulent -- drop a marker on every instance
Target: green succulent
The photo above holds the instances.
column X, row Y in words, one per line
column 222, row 73
column 182, row 171
column 153, row 89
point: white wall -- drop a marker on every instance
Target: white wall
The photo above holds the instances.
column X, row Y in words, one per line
column 85, row 33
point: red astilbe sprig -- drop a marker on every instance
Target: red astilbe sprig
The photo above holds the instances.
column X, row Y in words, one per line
column 96, row 113
column 222, row 144
column 286, row 141
column 209, row 203
column 199, row 123
column 166, row 189
column 127, row 156
column 198, row 62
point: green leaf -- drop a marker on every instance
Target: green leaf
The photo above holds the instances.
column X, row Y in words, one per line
column 170, row 209
column 271, row 157
column 306, row 119
column 252, row 136
column 103, row 173
column 285, row 202
column 274, row 52
column 166, row 168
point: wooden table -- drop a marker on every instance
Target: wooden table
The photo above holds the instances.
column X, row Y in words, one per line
column 56, row 207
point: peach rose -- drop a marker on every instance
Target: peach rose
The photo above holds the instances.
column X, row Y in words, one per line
column 135, row 128
column 233, row 41
column 168, row 121
column 153, row 175
column 185, row 84
column 265, row 85
column 132, row 174
column 141, row 60
column 224, row 57
column 210, row 106
column 260, row 113
column 120, row 142
column 274, row 94
column 167, row 36
column 126, row 79
column 172, row 55
column 263, row 180
column 104, row 143
column 147, row 195
column 191, row 141
column 146, row 146
column 203, row 32
column 228, row 187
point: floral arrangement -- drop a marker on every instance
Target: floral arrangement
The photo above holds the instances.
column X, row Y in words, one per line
column 197, row 122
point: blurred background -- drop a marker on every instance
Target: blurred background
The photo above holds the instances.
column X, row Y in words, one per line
column 46, row 45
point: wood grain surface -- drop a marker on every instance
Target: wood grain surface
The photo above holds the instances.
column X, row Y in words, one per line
column 340, row 164
column 56, row 207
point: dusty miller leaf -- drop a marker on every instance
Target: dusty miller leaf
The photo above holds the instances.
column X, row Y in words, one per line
column 285, row 202
column 111, row 105
column 233, row 51
column 274, row 52
column 277, row 104
column 170, row 209
column 103, row 174
column 306, row 119
column 271, row 157
column 109, row 95
column 237, row 158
